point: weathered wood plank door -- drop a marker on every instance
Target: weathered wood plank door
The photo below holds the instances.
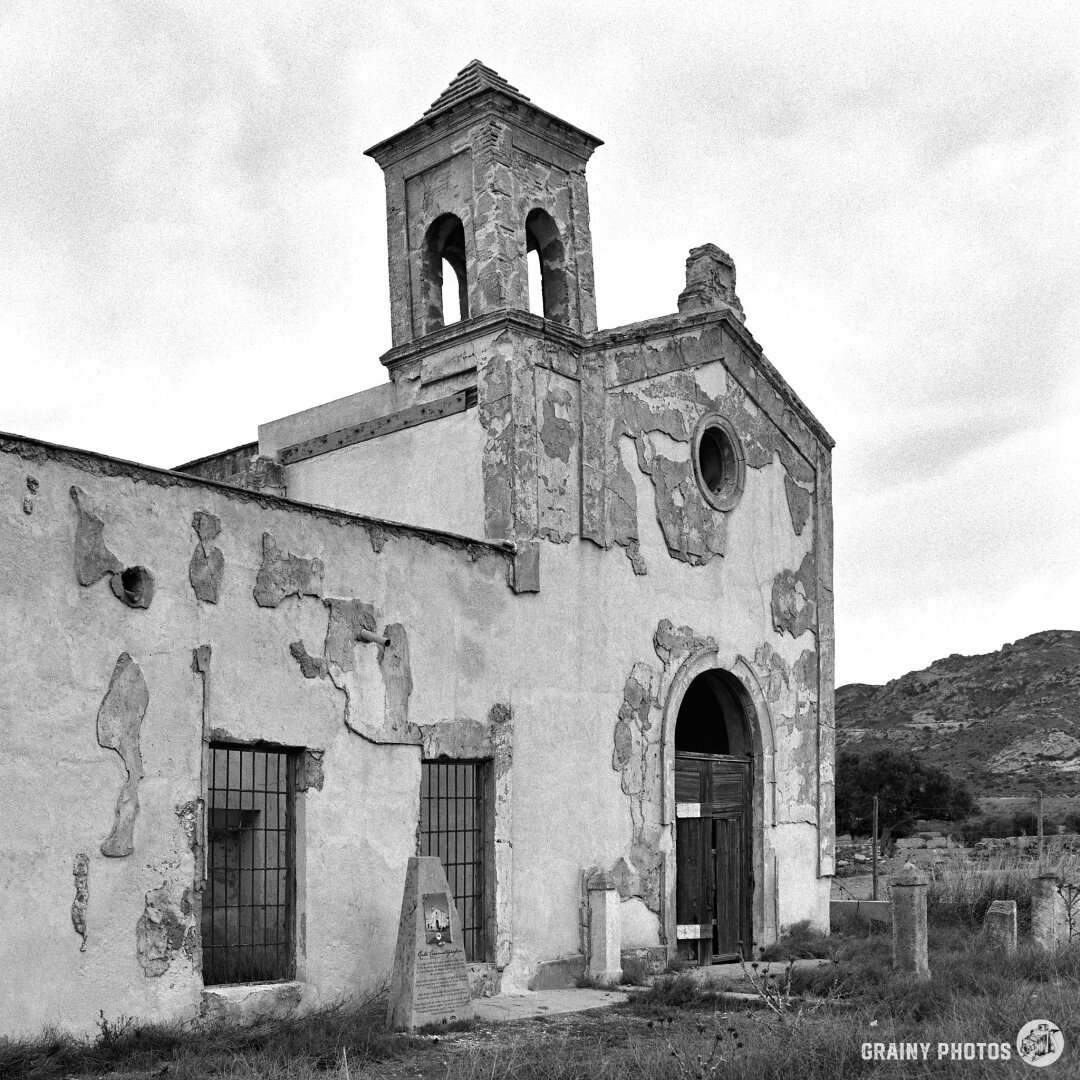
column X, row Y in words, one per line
column 713, row 876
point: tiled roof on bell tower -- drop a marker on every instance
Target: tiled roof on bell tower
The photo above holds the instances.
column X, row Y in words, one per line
column 474, row 78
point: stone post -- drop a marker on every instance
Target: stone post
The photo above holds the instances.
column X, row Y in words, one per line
column 1000, row 925
column 605, row 930
column 1047, row 912
column 909, row 922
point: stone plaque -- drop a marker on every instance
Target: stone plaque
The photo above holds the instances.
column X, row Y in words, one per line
column 430, row 982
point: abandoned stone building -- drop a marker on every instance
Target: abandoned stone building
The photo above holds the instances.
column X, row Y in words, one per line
column 553, row 603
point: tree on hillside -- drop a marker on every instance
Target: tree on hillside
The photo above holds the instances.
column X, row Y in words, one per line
column 906, row 789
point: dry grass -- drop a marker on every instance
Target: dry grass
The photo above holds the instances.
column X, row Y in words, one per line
column 675, row 1030
column 315, row 1045
column 961, row 890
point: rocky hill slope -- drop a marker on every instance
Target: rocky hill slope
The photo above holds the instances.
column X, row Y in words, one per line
column 1007, row 722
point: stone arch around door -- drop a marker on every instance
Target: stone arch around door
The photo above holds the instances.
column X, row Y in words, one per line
column 734, row 673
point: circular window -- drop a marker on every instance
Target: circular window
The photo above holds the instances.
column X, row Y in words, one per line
column 719, row 462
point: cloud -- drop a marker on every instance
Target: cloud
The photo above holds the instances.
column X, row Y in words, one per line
column 188, row 225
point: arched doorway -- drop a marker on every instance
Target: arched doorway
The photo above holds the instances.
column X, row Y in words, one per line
column 713, row 812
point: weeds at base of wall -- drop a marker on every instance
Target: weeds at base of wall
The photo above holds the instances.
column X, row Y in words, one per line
column 680, row 1028
column 326, row 1039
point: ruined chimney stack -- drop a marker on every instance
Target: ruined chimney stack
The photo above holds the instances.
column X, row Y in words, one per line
column 710, row 282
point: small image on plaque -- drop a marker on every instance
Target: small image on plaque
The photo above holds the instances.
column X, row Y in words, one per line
column 436, row 918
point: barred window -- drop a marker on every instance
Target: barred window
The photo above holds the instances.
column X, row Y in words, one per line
column 248, row 901
column 454, row 826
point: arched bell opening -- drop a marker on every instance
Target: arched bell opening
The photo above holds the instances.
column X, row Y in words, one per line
column 714, row 778
column 444, row 282
column 542, row 237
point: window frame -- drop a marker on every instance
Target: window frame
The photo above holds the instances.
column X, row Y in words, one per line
column 484, row 855
column 284, row 970
column 727, row 496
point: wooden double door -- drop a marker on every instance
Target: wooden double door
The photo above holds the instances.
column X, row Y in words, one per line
column 714, row 881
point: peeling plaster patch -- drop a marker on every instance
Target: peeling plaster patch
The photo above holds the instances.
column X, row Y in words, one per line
column 27, row 505
column 119, row 722
column 792, row 692
column 637, row 560
column 798, row 500
column 311, row 771
column 693, row 531
column 794, row 607
column 283, row 575
column 350, row 621
column 622, row 500
column 713, row 379
column 81, row 871
column 500, row 714
column 93, row 560
column 188, row 815
column 377, row 536
column 164, row 929
column 636, row 757
column 773, row 672
column 805, row 669
column 626, row 877
column 200, row 659
column 311, row 667
column 32, row 485
column 658, row 414
column 496, row 416
column 674, row 644
column 200, row 664
column 557, row 434
column 207, row 563
column 133, row 586
column 397, row 677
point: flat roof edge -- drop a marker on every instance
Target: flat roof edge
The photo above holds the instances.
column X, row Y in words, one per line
column 32, row 449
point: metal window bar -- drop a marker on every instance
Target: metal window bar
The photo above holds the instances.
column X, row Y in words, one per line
column 453, row 827
column 247, row 902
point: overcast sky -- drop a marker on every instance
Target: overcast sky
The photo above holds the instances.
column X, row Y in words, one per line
column 191, row 242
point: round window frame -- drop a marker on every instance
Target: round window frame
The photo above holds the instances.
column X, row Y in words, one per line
column 729, row 494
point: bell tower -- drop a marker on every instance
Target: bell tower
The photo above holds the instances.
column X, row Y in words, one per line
column 482, row 179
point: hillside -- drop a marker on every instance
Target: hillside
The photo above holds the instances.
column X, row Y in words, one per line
column 1007, row 722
